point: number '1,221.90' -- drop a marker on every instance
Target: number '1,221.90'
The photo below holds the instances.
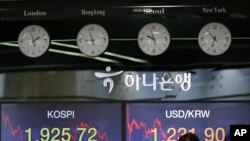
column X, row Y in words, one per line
column 210, row 134
column 64, row 134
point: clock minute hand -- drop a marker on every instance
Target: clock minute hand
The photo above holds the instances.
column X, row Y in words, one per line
column 211, row 35
column 36, row 39
column 32, row 38
column 215, row 39
column 91, row 38
column 213, row 44
column 152, row 35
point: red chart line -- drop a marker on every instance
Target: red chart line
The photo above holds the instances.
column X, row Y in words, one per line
column 135, row 125
column 17, row 131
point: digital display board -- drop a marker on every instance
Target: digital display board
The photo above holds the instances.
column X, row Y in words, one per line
column 168, row 121
column 61, row 122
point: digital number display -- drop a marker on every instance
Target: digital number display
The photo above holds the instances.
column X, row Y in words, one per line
column 210, row 134
column 57, row 134
column 168, row 121
column 61, row 122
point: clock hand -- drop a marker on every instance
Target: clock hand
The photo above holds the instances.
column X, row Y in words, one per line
column 152, row 35
column 213, row 42
column 32, row 38
column 211, row 34
column 36, row 39
column 215, row 39
column 91, row 38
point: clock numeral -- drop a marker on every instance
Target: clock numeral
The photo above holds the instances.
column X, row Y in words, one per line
column 91, row 28
column 141, row 39
column 33, row 29
column 80, row 40
column 33, row 53
column 202, row 38
column 104, row 39
column 153, row 27
column 92, row 52
column 227, row 39
column 166, row 39
column 153, row 50
column 21, row 41
column 214, row 26
column 214, row 51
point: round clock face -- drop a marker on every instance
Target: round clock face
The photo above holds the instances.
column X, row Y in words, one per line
column 154, row 39
column 214, row 39
column 92, row 40
column 33, row 41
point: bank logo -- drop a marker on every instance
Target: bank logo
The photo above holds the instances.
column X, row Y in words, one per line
column 157, row 81
column 108, row 82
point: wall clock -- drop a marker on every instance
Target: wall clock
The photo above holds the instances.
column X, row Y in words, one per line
column 154, row 39
column 92, row 40
column 33, row 41
column 214, row 39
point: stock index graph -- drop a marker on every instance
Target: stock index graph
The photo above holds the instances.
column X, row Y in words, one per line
column 168, row 121
column 57, row 122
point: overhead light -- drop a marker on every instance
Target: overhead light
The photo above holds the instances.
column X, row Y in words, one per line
column 82, row 55
column 68, row 52
column 64, row 45
column 137, row 60
column 133, row 59
column 8, row 44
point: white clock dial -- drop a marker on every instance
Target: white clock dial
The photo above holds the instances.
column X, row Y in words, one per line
column 92, row 40
column 214, row 39
column 154, row 39
column 33, row 41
